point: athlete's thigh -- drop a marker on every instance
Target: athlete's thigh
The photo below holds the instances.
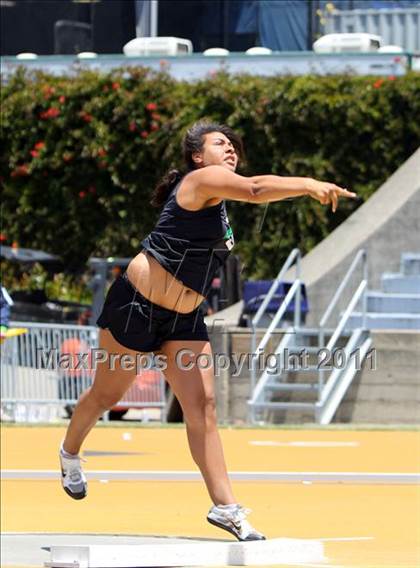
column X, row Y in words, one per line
column 114, row 375
column 189, row 370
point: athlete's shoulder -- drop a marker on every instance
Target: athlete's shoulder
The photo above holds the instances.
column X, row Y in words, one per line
column 218, row 181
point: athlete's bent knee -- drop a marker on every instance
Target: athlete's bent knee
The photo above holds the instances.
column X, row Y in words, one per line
column 103, row 400
column 203, row 413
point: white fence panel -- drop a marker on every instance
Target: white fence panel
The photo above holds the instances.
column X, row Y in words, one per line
column 45, row 369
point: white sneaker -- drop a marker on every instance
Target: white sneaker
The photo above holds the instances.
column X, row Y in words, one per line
column 232, row 518
column 73, row 479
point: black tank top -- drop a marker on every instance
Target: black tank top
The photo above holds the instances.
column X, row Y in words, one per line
column 191, row 245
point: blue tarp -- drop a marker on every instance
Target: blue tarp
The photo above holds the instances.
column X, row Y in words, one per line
column 282, row 25
column 255, row 291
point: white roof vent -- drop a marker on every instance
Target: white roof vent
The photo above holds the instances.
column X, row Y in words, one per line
column 216, row 51
column 391, row 49
column 144, row 46
column 87, row 55
column 259, row 51
column 347, row 43
column 26, row 55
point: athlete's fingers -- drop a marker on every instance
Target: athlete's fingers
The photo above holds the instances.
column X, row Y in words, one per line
column 346, row 193
column 334, row 201
column 342, row 191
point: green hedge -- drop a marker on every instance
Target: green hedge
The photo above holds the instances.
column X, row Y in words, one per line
column 81, row 154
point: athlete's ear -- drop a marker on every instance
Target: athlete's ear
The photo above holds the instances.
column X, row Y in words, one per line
column 197, row 158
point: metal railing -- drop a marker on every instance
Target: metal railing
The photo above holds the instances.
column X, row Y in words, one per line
column 359, row 259
column 294, row 292
column 44, row 371
column 265, row 378
column 399, row 25
column 330, row 392
column 196, row 65
column 340, row 379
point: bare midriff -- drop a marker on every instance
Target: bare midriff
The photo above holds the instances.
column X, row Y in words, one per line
column 159, row 286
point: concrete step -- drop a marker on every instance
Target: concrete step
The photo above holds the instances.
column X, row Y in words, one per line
column 279, row 387
column 385, row 321
column 404, row 341
column 393, row 378
column 293, row 396
column 371, row 413
column 303, row 369
column 400, row 284
column 386, row 303
column 297, row 357
column 284, row 406
column 392, row 364
column 410, row 263
column 311, row 343
column 305, row 349
column 380, row 393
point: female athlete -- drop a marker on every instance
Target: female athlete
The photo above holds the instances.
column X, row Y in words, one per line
column 154, row 305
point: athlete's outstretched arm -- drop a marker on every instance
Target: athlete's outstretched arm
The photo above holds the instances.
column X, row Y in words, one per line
column 217, row 181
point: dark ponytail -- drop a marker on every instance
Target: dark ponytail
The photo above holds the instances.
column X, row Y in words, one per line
column 164, row 187
column 193, row 142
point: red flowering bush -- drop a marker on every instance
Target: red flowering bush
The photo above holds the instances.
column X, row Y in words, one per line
column 81, row 154
column 74, row 175
column 52, row 112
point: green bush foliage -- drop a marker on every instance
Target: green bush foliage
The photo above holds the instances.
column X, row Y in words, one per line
column 56, row 285
column 81, row 154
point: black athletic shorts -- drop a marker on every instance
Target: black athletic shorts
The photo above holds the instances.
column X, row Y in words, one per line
column 138, row 324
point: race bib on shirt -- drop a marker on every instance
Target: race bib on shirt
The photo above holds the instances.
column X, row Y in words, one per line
column 228, row 238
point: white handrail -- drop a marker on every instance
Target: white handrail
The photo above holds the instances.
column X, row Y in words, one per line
column 360, row 255
column 327, row 390
column 352, row 304
column 329, row 385
column 279, row 315
column 333, row 339
column 257, row 350
column 295, row 254
column 265, row 376
column 43, row 325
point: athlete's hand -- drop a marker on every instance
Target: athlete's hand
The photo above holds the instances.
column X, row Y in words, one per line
column 326, row 193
